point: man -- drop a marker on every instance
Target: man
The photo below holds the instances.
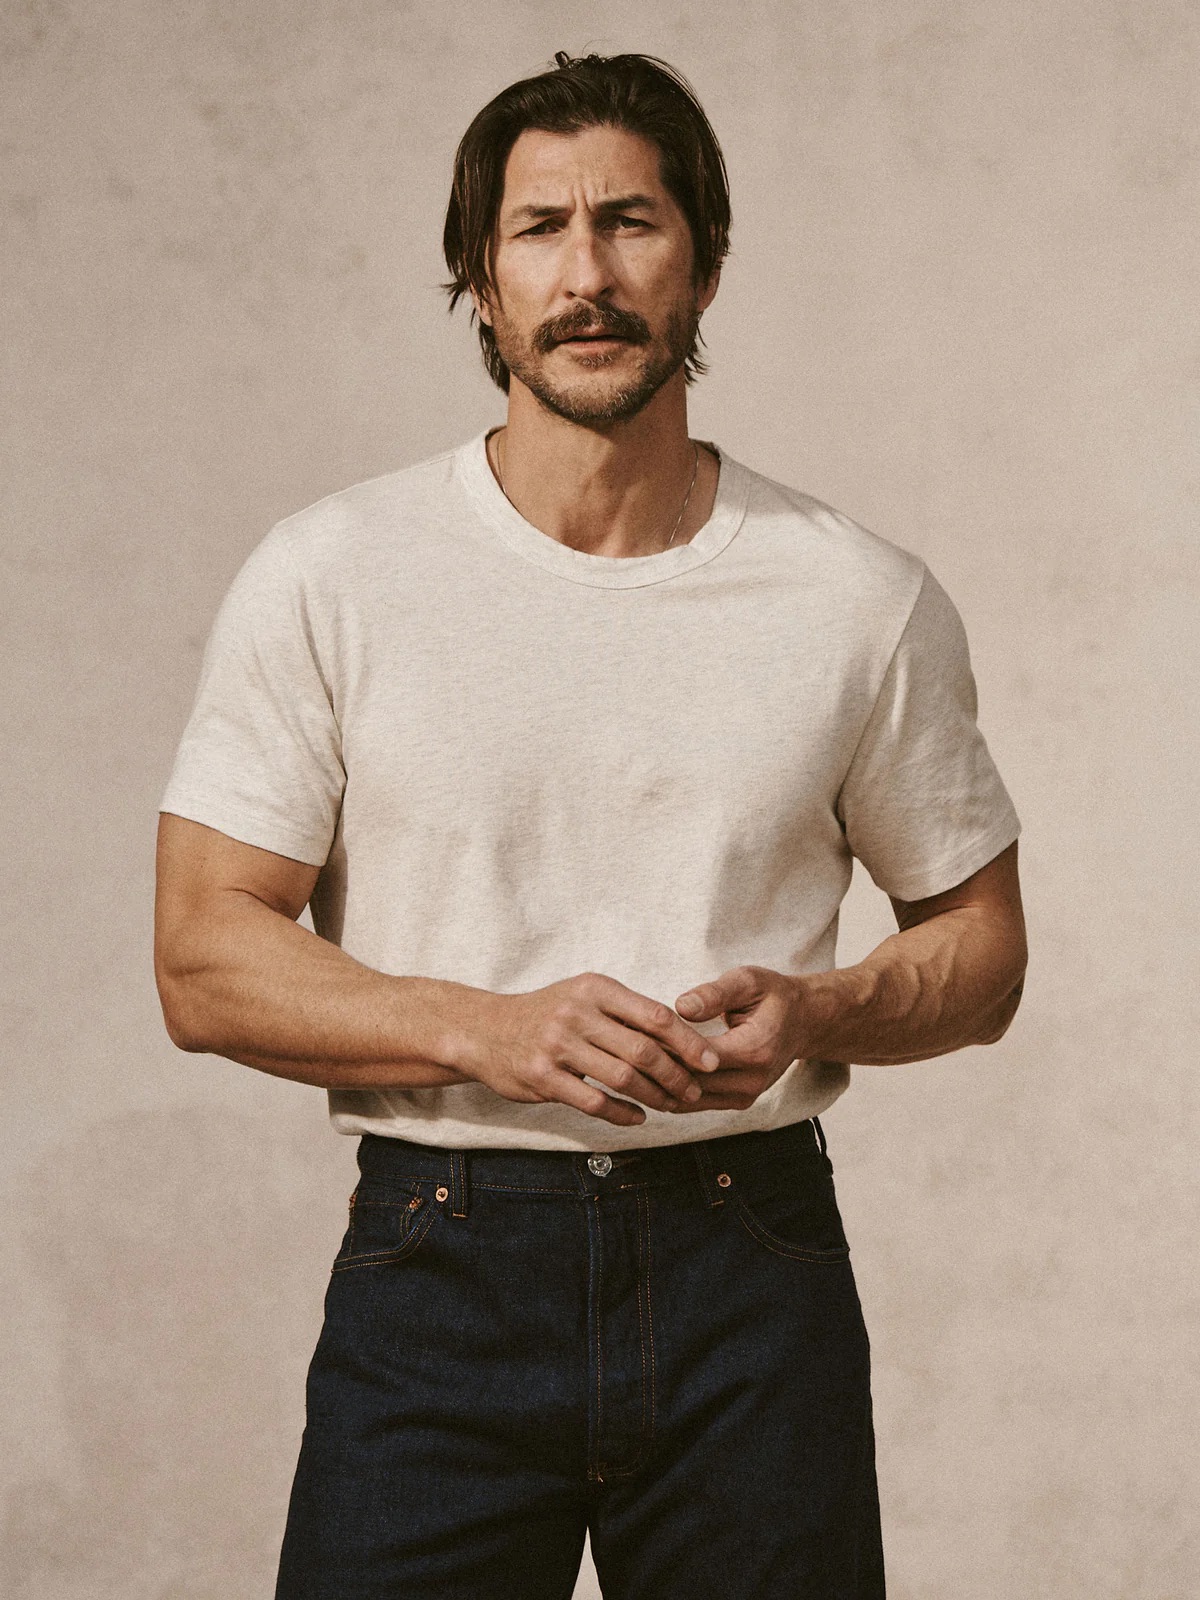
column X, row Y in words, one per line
column 569, row 736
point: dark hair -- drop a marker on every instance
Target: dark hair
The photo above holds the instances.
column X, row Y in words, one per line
column 638, row 93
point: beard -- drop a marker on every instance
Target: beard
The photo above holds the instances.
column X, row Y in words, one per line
column 585, row 399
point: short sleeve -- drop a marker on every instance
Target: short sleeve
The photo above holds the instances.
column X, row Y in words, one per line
column 923, row 806
column 260, row 758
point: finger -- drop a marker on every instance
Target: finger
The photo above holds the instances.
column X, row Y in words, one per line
column 728, row 1090
column 660, row 1022
column 644, row 1054
column 649, row 1016
column 572, row 1091
column 704, row 1001
column 742, row 1047
column 717, row 1102
column 737, row 1081
column 618, row 1073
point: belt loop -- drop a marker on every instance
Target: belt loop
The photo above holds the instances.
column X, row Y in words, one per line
column 708, row 1177
column 460, row 1192
column 820, row 1133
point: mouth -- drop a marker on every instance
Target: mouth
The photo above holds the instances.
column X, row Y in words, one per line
column 588, row 340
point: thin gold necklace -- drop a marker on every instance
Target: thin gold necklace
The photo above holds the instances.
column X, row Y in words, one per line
column 682, row 509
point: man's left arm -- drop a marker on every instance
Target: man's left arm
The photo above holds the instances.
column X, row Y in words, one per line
column 951, row 976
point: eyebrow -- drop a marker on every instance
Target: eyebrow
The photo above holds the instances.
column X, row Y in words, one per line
column 627, row 202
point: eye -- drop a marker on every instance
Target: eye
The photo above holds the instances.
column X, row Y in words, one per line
column 621, row 223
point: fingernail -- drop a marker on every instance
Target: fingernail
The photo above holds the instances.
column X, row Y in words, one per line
column 688, row 1005
column 692, row 1092
column 710, row 1059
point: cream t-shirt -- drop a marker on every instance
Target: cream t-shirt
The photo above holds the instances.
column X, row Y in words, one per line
column 515, row 762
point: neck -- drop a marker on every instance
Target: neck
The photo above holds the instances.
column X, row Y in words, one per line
column 615, row 490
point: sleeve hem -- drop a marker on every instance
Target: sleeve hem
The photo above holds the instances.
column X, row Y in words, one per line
column 955, row 869
column 262, row 833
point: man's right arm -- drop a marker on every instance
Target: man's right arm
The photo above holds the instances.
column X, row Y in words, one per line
column 238, row 977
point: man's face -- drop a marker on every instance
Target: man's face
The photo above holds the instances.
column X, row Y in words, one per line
column 589, row 241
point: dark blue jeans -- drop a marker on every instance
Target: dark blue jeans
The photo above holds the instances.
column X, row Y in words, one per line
column 662, row 1347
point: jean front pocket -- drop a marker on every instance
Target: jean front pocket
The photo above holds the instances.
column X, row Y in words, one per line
column 388, row 1221
column 789, row 1206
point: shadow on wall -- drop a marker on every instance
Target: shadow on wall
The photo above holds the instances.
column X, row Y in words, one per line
column 183, row 1255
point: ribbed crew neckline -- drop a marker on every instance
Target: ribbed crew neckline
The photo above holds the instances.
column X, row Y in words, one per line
column 603, row 572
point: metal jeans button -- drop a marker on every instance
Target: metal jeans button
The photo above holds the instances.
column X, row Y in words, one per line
column 600, row 1165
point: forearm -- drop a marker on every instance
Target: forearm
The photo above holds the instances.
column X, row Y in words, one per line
column 248, row 983
column 951, row 981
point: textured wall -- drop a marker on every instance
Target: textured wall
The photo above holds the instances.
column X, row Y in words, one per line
column 961, row 307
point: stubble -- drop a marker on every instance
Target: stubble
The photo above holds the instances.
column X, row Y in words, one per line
column 586, row 398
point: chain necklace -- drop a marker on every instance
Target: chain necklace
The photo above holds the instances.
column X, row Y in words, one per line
column 678, row 520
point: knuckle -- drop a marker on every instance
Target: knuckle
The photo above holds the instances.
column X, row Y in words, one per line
column 540, row 1070
column 549, row 1044
column 643, row 1052
column 560, row 1026
column 626, row 1076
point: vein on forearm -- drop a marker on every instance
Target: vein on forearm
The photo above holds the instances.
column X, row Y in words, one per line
column 936, row 986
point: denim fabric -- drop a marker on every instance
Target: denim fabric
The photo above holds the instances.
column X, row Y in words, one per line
column 663, row 1347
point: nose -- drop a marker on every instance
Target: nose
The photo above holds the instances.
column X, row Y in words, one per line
column 587, row 271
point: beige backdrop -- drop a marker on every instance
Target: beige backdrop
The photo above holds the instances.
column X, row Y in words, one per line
column 961, row 306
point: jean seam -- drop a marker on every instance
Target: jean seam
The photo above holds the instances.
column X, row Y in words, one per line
column 529, row 1188
column 594, row 1464
column 781, row 1247
column 643, row 1320
column 648, row 1336
column 646, row 1343
column 379, row 1258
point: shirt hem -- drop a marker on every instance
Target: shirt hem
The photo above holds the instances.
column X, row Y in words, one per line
column 798, row 1095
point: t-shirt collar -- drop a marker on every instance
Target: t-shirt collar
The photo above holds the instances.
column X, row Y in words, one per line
column 606, row 572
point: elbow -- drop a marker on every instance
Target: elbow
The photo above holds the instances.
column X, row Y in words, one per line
column 996, row 1024
column 180, row 1015
column 180, row 1027
column 996, row 1021
column 182, row 1037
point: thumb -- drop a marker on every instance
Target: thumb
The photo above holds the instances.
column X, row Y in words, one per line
column 708, row 1000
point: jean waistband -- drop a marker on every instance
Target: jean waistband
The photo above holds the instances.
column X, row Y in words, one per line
column 577, row 1172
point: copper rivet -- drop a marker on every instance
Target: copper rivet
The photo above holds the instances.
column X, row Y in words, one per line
column 415, row 1203
column 724, row 1179
column 443, row 1193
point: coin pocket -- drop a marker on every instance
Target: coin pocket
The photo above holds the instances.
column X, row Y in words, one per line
column 386, row 1224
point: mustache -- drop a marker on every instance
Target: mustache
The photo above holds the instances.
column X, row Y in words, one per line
column 607, row 319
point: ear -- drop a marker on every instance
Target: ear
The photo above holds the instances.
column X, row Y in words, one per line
column 482, row 308
column 708, row 293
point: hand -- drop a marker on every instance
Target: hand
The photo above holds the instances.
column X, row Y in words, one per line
column 538, row 1047
column 761, row 1009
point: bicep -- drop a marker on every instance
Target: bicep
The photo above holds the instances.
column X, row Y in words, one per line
column 994, row 892
column 207, row 882
column 197, row 865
